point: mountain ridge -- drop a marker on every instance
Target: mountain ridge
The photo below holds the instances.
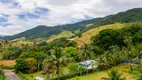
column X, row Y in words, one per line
column 42, row 31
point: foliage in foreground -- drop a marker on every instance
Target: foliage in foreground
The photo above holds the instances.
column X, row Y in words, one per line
column 2, row 76
column 114, row 75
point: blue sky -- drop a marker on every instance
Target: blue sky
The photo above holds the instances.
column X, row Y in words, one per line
column 19, row 15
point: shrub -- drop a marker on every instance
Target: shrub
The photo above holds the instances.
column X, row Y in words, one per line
column 70, row 75
column 2, row 76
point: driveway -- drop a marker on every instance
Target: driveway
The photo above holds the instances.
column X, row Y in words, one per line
column 10, row 75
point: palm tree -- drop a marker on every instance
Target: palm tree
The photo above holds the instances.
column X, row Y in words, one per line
column 128, row 42
column 114, row 75
column 57, row 59
column 48, row 67
column 104, row 61
column 86, row 52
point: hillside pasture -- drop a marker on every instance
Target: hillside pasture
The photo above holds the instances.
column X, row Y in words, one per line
column 7, row 62
column 85, row 37
column 19, row 43
column 62, row 34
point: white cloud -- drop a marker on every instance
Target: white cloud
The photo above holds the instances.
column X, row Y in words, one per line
column 9, row 30
column 59, row 12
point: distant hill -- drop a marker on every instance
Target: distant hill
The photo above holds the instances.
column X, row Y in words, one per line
column 42, row 31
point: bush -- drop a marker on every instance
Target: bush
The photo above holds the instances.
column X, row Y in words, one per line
column 20, row 65
column 31, row 64
column 2, row 76
column 8, row 67
column 73, row 67
column 70, row 75
column 26, row 65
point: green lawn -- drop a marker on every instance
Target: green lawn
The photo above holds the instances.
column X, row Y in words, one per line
column 123, row 68
column 33, row 75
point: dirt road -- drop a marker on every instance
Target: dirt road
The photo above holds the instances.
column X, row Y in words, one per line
column 10, row 75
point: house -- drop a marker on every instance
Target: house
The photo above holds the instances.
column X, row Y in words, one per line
column 39, row 78
column 88, row 64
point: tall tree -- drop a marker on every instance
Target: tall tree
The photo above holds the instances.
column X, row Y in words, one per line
column 31, row 64
column 107, row 38
column 86, row 52
column 128, row 42
column 57, row 58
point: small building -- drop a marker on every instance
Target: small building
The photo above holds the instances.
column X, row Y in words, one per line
column 39, row 78
column 88, row 64
column 126, row 60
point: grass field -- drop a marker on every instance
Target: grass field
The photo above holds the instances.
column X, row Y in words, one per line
column 7, row 62
column 63, row 34
column 33, row 75
column 87, row 35
column 19, row 43
column 123, row 68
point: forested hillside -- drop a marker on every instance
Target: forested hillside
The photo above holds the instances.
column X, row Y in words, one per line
column 42, row 31
column 132, row 15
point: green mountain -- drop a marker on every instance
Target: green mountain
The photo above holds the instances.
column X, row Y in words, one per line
column 42, row 31
column 132, row 15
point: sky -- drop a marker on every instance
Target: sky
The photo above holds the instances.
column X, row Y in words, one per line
column 19, row 15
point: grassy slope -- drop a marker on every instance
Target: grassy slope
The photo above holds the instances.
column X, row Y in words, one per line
column 19, row 43
column 88, row 34
column 123, row 68
column 85, row 36
column 7, row 62
column 62, row 34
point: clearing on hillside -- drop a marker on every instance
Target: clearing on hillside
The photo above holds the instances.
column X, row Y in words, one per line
column 63, row 34
column 85, row 37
